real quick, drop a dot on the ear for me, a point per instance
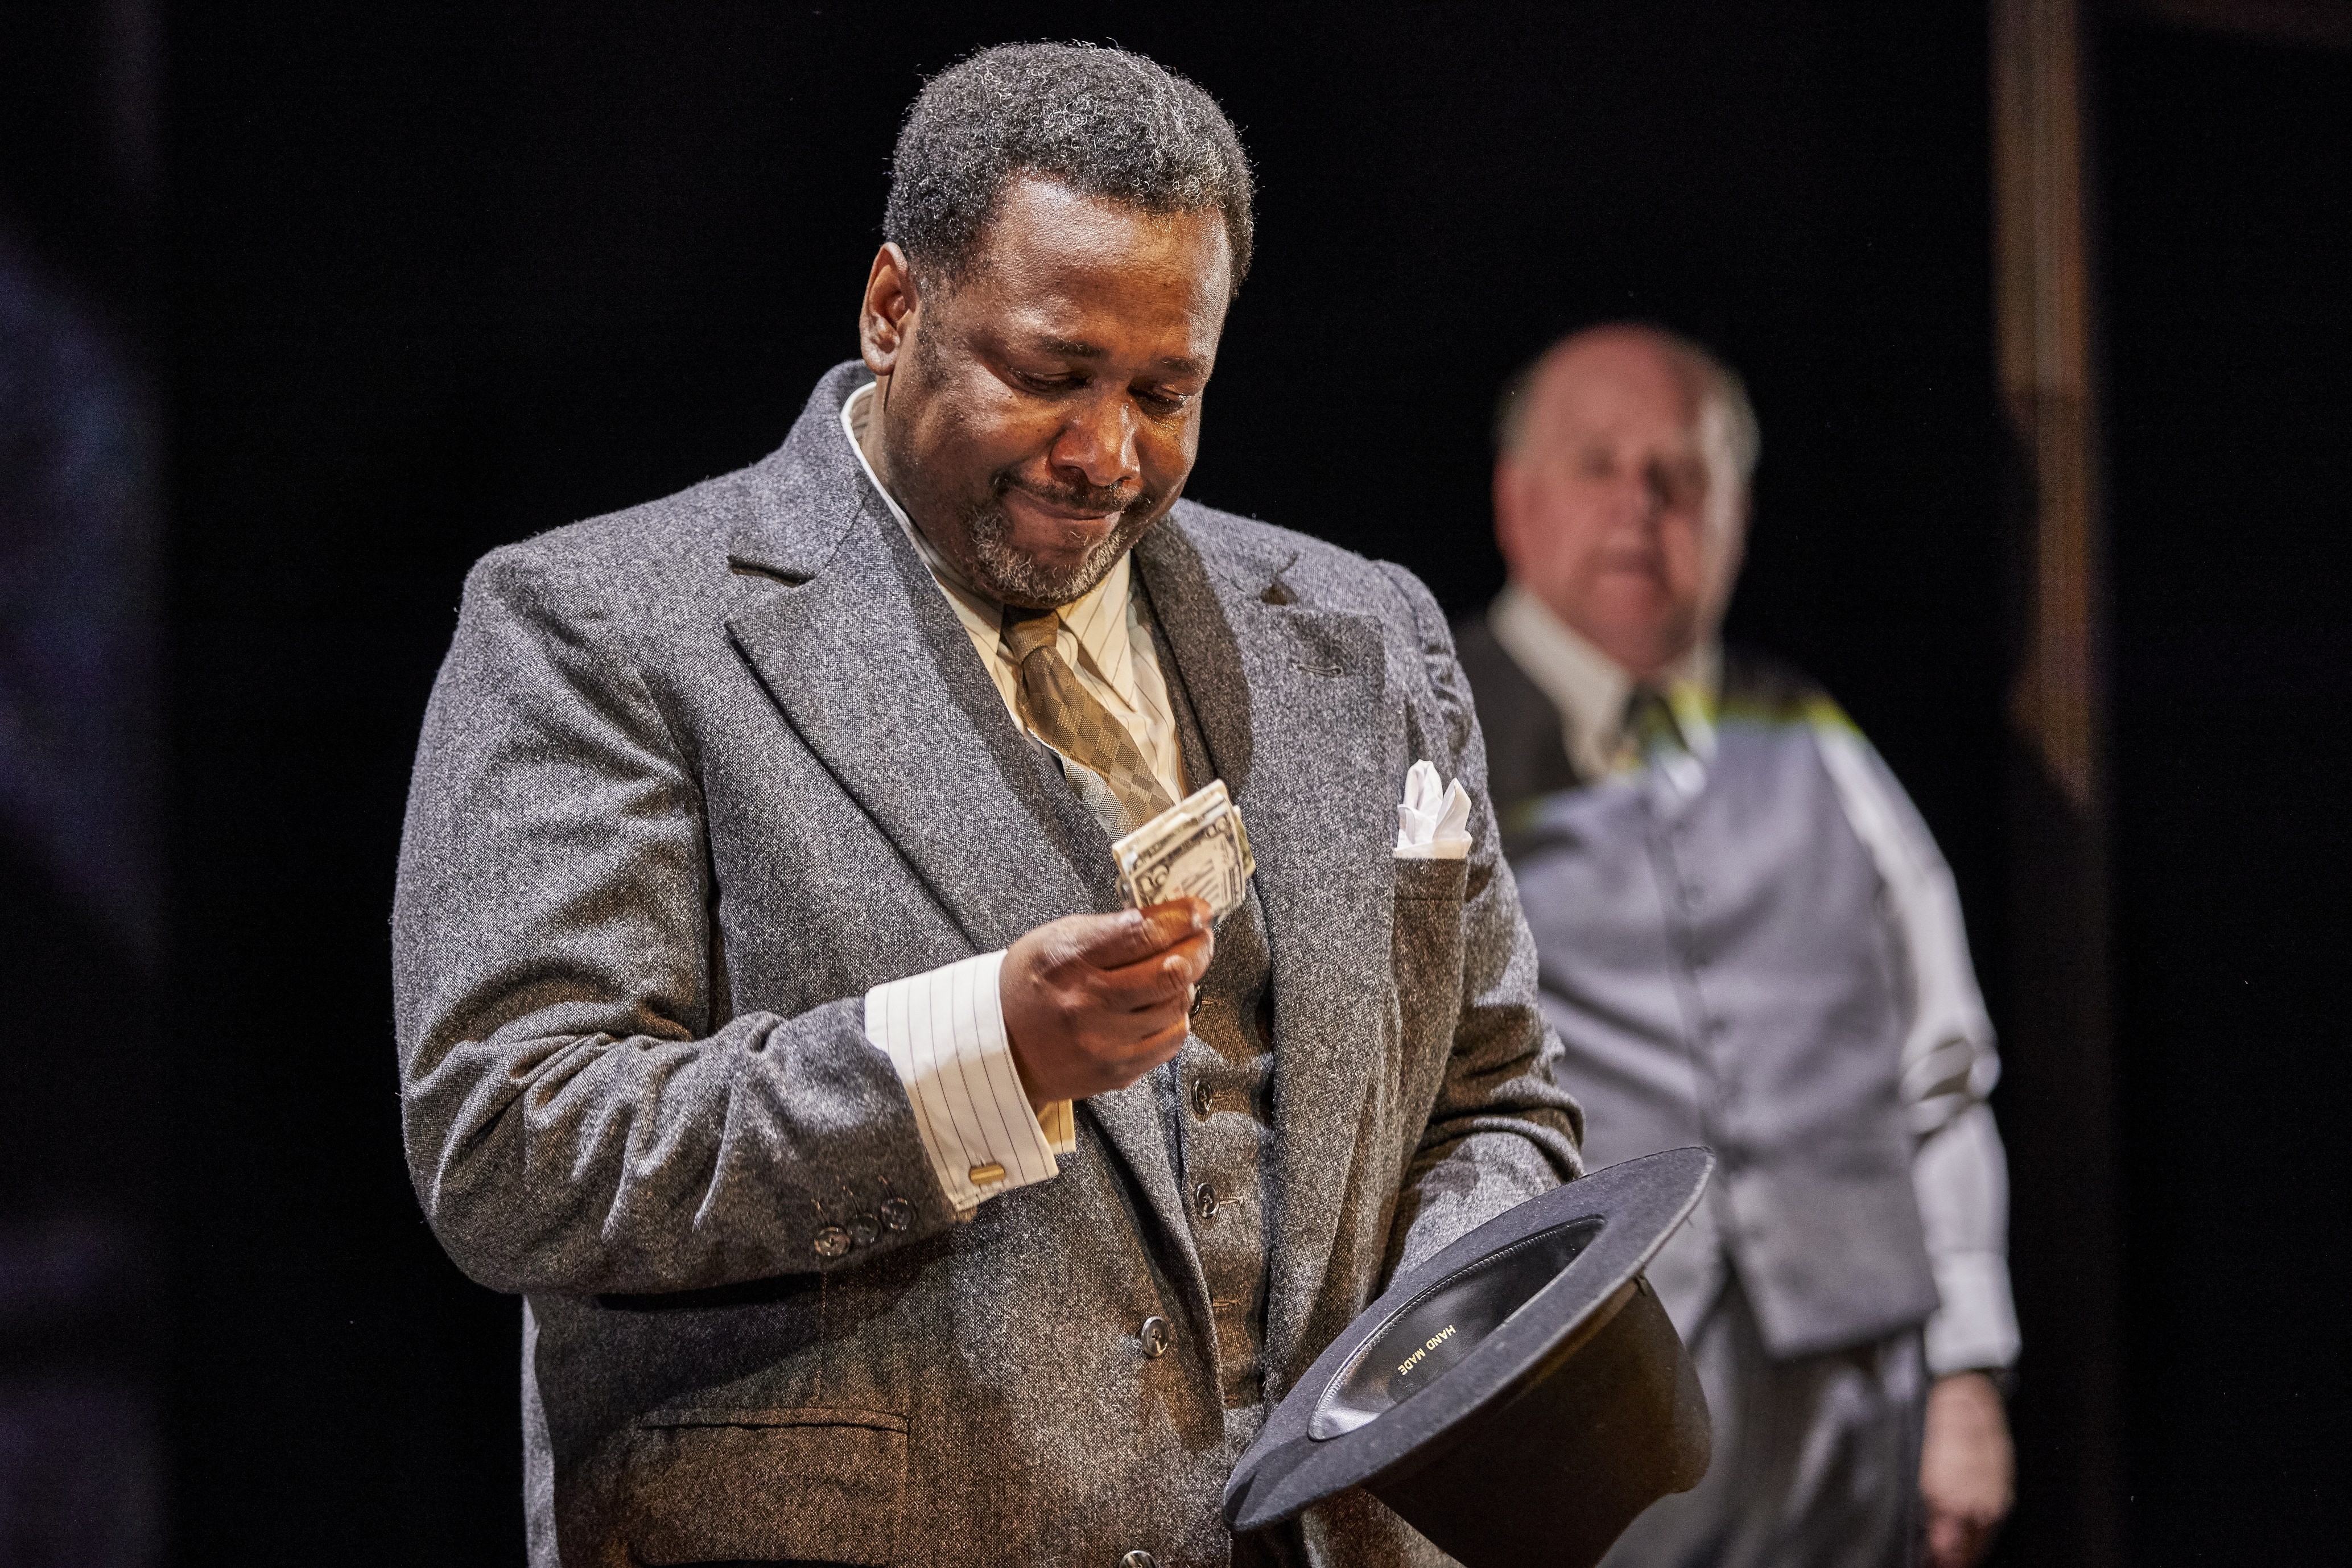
(1509, 486)
(1727, 547)
(885, 318)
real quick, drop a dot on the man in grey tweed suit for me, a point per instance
(878, 1190)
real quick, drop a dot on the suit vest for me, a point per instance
(1719, 969)
(1216, 1095)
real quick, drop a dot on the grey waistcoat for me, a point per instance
(1719, 970)
(1218, 1096)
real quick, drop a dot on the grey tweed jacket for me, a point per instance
(696, 775)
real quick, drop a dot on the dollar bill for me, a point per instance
(1198, 847)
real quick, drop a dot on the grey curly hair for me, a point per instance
(1100, 120)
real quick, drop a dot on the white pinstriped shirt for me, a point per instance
(944, 1030)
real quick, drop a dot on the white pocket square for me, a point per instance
(1433, 818)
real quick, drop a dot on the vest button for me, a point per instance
(1153, 1335)
(1204, 1098)
(833, 1242)
(1139, 1560)
(1204, 1200)
(864, 1230)
(898, 1214)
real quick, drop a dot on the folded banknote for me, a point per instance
(1198, 847)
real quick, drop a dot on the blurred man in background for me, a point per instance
(1749, 939)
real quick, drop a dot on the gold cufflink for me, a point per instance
(981, 1176)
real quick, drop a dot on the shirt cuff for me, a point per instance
(1976, 1328)
(944, 1031)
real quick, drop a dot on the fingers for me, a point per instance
(1114, 942)
(1094, 1002)
(1122, 1067)
(1956, 1538)
(1164, 979)
(1953, 1543)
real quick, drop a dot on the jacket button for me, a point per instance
(1204, 1099)
(1154, 1336)
(864, 1230)
(832, 1242)
(1139, 1560)
(1204, 1200)
(898, 1214)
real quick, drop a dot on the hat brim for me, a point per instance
(1462, 1333)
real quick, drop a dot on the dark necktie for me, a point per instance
(1067, 717)
(1648, 729)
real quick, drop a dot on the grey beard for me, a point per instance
(1005, 573)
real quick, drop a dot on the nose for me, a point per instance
(1644, 493)
(1095, 445)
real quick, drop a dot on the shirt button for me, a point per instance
(833, 1242)
(1204, 1098)
(1204, 1200)
(1154, 1337)
(1139, 1560)
(864, 1230)
(898, 1214)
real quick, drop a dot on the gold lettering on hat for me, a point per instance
(1427, 1345)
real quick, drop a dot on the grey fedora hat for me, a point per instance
(1518, 1397)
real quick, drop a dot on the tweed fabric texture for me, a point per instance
(1218, 1097)
(1069, 719)
(696, 776)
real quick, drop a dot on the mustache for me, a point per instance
(1099, 499)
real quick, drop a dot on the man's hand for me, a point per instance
(1968, 1470)
(1094, 1002)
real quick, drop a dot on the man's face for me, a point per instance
(1621, 510)
(1045, 410)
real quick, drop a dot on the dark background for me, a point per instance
(410, 282)
(2229, 311)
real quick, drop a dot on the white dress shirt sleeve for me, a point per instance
(944, 1031)
(1958, 1170)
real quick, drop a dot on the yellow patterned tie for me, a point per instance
(1067, 717)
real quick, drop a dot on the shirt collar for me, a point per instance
(1097, 618)
(1589, 688)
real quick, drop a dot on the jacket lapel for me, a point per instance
(862, 653)
(877, 677)
(1289, 703)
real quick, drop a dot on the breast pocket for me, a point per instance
(1426, 955)
(809, 1485)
